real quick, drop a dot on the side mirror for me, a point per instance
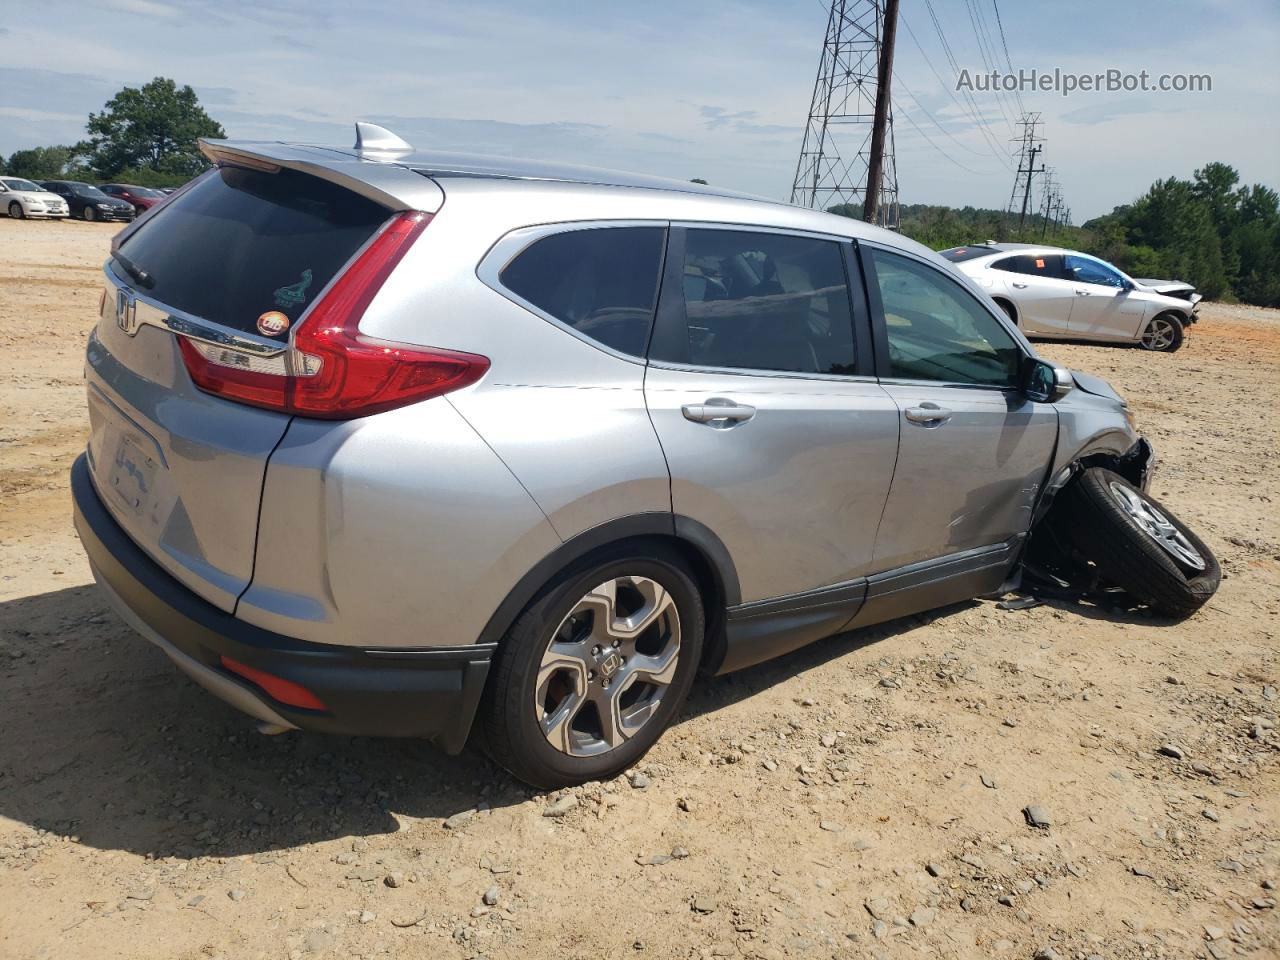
(1045, 383)
(3, 188)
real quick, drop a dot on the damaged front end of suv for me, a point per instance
(1096, 531)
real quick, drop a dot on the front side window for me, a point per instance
(1085, 270)
(603, 282)
(766, 301)
(938, 331)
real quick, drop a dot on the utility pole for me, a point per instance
(875, 163)
(847, 112)
(1029, 149)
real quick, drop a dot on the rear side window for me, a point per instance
(767, 301)
(1049, 265)
(601, 281)
(240, 244)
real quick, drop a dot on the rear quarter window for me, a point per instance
(601, 281)
(242, 243)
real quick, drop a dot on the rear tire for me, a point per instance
(1009, 312)
(570, 697)
(1138, 544)
(1164, 334)
(16, 212)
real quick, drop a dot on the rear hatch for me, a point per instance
(229, 266)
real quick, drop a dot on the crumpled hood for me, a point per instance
(1164, 286)
(1095, 385)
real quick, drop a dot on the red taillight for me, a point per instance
(277, 688)
(332, 371)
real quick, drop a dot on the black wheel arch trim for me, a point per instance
(671, 526)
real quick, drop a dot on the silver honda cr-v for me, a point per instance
(392, 443)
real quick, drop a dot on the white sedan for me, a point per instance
(1065, 294)
(21, 198)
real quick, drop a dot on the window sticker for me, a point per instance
(295, 293)
(1039, 263)
(272, 323)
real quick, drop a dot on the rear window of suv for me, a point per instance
(242, 243)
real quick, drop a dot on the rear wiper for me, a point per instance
(140, 276)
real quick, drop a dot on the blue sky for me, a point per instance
(714, 89)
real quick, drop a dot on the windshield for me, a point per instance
(143, 192)
(84, 190)
(17, 183)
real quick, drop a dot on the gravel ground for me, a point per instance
(865, 797)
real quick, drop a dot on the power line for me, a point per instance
(983, 126)
(1007, 59)
(986, 61)
(994, 147)
(929, 140)
(925, 111)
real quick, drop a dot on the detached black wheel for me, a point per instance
(1138, 544)
(594, 670)
(15, 211)
(1164, 334)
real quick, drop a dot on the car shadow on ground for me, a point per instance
(105, 741)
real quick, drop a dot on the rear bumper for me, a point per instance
(430, 693)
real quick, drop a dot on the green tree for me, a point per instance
(45, 163)
(153, 127)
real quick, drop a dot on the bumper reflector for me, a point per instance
(277, 688)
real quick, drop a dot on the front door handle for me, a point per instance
(718, 412)
(1083, 293)
(1020, 286)
(928, 414)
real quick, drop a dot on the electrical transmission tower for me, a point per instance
(1049, 198)
(1029, 149)
(849, 137)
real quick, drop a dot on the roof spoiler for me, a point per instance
(386, 183)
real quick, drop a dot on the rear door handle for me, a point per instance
(1083, 293)
(718, 412)
(928, 414)
(1020, 286)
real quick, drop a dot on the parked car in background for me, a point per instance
(88, 202)
(142, 198)
(1052, 292)
(385, 443)
(20, 198)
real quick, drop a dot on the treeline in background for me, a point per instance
(1210, 231)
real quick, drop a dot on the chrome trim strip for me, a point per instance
(153, 313)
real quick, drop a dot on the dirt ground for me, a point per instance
(860, 798)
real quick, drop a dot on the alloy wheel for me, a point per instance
(90, 213)
(608, 666)
(1157, 526)
(15, 210)
(1159, 335)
